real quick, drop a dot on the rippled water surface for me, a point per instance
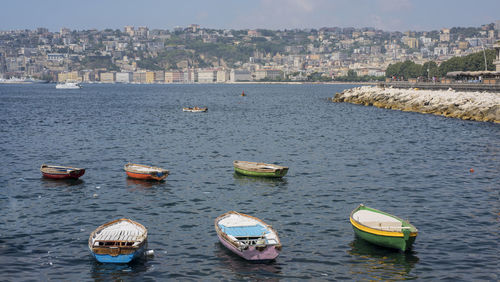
(340, 155)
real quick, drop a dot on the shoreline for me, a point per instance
(214, 83)
(477, 106)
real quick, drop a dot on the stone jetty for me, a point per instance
(478, 106)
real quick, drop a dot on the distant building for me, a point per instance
(463, 45)
(129, 30)
(142, 32)
(207, 76)
(491, 34)
(410, 42)
(150, 77)
(191, 76)
(55, 57)
(194, 27)
(174, 77)
(444, 36)
(272, 74)
(88, 75)
(65, 31)
(474, 42)
(159, 76)
(240, 75)
(107, 77)
(123, 77)
(139, 77)
(442, 50)
(223, 76)
(253, 33)
(68, 76)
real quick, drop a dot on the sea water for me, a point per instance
(412, 165)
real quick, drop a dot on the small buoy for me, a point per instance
(471, 170)
(95, 195)
(150, 253)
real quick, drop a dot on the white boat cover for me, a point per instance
(121, 231)
(377, 220)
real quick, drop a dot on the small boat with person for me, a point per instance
(383, 229)
(195, 109)
(248, 236)
(61, 172)
(118, 241)
(145, 172)
(259, 169)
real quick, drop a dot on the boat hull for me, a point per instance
(270, 252)
(277, 173)
(121, 258)
(145, 176)
(75, 174)
(399, 243)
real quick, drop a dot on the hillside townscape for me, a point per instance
(196, 54)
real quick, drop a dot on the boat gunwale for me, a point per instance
(224, 236)
(242, 165)
(380, 232)
(46, 166)
(126, 167)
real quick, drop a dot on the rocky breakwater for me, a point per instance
(479, 106)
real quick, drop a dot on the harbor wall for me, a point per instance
(478, 106)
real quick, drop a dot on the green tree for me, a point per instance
(472, 62)
(430, 69)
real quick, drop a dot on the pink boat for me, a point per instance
(247, 236)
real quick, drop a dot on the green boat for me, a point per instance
(259, 169)
(383, 229)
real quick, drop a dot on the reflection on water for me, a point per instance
(246, 269)
(51, 183)
(271, 181)
(118, 272)
(378, 263)
(144, 183)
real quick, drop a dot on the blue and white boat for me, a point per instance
(118, 241)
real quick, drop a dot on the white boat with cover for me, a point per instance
(247, 236)
(118, 241)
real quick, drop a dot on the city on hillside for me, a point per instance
(194, 54)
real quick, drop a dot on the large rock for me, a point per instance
(465, 105)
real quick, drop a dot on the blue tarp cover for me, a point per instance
(245, 231)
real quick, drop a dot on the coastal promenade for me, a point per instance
(467, 105)
(444, 86)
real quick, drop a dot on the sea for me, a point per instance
(441, 174)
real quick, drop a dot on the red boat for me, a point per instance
(61, 172)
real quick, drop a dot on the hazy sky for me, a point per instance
(399, 15)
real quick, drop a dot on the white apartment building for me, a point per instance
(240, 75)
(223, 76)
(207, 76)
